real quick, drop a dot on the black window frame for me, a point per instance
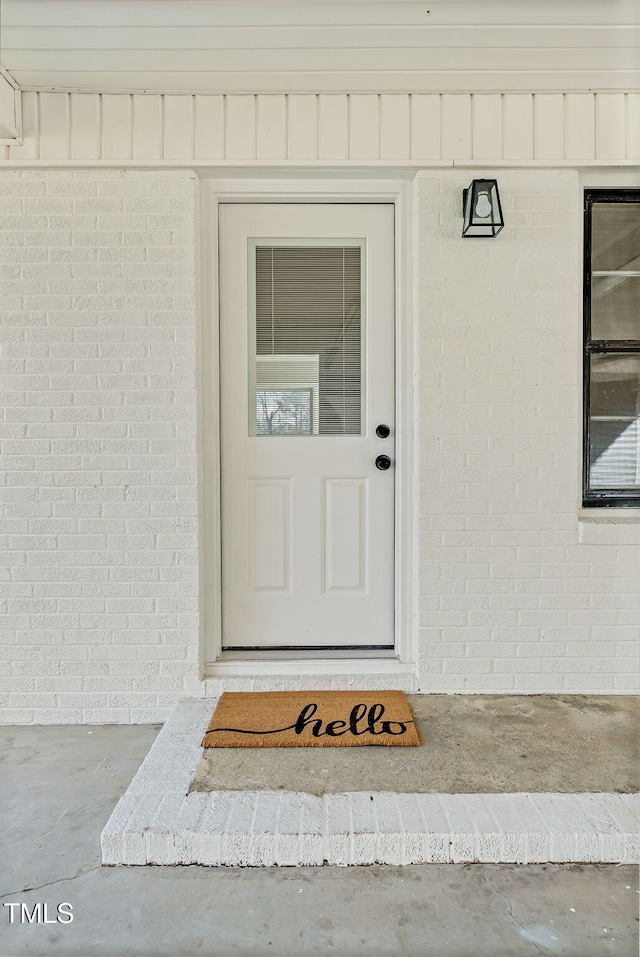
(602, 497)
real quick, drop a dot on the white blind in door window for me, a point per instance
(308, 371)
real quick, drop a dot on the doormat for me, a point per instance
(299, 719)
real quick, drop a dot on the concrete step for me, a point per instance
(159, 821)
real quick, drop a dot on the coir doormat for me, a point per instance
(294, 719)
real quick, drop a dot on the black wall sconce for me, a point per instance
(482, 209)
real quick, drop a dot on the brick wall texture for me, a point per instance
(99, 534)
(515, 594)
(98, 483)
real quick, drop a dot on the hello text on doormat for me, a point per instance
(293, 719)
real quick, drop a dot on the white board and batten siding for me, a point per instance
(358, 128)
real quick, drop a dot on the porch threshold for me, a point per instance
(315, 662)
(160, 820)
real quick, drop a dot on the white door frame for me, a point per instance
(278, 188)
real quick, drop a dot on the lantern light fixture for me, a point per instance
(482, 210)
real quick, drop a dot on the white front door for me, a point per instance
(307, 377)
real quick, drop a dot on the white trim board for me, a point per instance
(10, 110)
(158, 822)
(213, 192)
(207, 168)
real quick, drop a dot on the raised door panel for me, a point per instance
(344, 521)
(269, 540)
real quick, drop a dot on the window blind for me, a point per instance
(309, 316)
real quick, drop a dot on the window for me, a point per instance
(612, 348)
(308, 363)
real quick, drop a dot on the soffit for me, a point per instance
(235, 46)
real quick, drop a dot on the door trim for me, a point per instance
(395, 189)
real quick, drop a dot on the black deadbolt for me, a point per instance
(383, 431)
(383, 462)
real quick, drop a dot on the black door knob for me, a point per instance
(383, 431)
(383, 462)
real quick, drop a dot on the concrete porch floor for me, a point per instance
(469, 744)
(60, 785)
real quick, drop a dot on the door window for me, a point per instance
(307, 368)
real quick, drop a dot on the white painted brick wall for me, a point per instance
(98, 578)
(515, 594)
(99, 532)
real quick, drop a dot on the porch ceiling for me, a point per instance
(322, 45)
